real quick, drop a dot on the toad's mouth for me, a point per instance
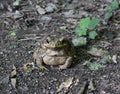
(54, 46)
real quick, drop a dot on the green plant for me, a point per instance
(12, 32)
(86, 28)
(78, 41)
(110, 8)
(93, 65)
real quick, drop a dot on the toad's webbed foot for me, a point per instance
(39, 64)
(42, 68)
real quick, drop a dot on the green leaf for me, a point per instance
(92, 34)
(13, 32)
(105, 59)
(109, 34)
(108, 15)
(84, 22)
(115, 5)
(80, 32)
(93, 23)
(86, 63)
(108, 8)
(95, 66)
(79, 41)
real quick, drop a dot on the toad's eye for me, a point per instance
(63, 41)
(47, 41)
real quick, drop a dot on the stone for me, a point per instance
(40, 10)
(50, 7)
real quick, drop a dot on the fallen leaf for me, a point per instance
(66, 84)
(76, 82)
(13, 77)
(13, 82)
(91, 85)
(114, 58)
(13, 73)
(97, 52)
(16, 3)
(105, 59)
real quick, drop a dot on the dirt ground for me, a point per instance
(21, 31)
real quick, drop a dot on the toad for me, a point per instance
(54, 51)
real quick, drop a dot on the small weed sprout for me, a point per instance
(110, 8)
(86, 28)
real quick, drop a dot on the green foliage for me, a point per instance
(108, 15)
(12, 32)
(80, 32)
(92, 34)
(110, 8)
(87, 25)
(85, 29)
(85, 22)
(79, 41)
(93, 23)
(94, 65)
(109, 34)
(115, 5)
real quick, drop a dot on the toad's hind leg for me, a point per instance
(67, 63)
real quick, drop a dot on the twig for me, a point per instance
(29, 39)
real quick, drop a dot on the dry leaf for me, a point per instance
(114, 58)
(13, 73)
(13, 82)
(16, 3)
(97, 52)
(13, 76)
(91, 85)
(66, 84)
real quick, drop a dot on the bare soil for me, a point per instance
(31, 28)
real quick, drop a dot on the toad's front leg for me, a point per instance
(39, 63)
(66, 64)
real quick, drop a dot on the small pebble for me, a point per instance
(50, 7)
(40, 10)
(46, 18)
